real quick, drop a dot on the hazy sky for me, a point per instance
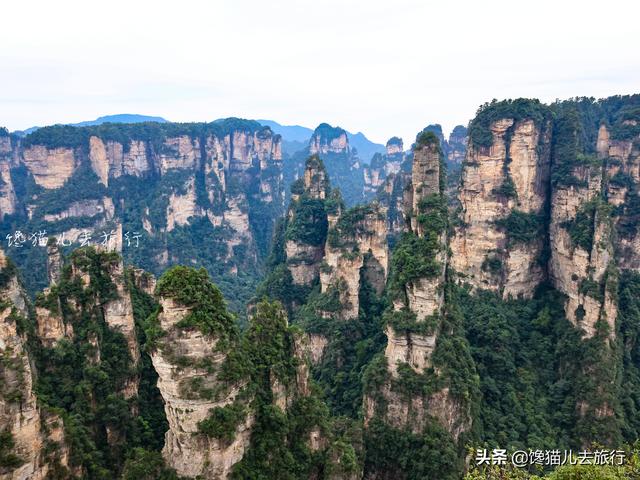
(382, 67)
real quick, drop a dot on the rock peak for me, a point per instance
(316, 179)
(394, 146)
(327, 139)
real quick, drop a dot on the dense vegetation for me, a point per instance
(73, 137)
(525, 376)
(518, 109)
(141, 206)
(89, 393)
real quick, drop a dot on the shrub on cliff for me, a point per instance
(193, 288)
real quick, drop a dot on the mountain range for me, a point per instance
(185, 301)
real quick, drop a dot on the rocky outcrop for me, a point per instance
(204, 370)
(112, 159)
(327, 139)
(36, 439)
(187, 362)
(506, 179)
(50, 167)
(84, 208)
(413, 324)
(421, 296)
(182, 207)
(356, 250)
(426, 175)
(456, 149)
(8, 200)
(304, 251)
(580, 264)
(622, 164)
(118, 314)
(382, 166)
(303, 261)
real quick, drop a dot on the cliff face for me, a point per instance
(221, 394)
(573, 266)
(421, 296)
(27, 428)
(414, 324)
(327, 139)
(188, 363)
(8, 198)
(504, 183)
(382, 166)
(307, 223)
(170, 186)
(456, 146)
(50, 167)
(342, 163)
(622, 157)
(356, 250)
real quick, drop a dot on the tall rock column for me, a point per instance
(415, 322)
(583, 267)
(8, 200)
(500, 238)
(307, 223)
(417, 294)
(581, 232)
(357, 239)
(622, 158)
(194, 337)
(28, 431)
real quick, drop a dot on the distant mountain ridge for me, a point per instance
(118, 118)
(296, 137)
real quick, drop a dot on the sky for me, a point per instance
(381, 67)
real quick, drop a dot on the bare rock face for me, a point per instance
(99, 159)
(316, 180)
(182, 207)
(411, 348)
(357, 240)
(382, 166)
(315, 347)
(112, 159)
(179, 153)
(85, 208)
(31, 428)
(422, 296)
(327, 139)
(8, 198)
(303, 261)
(51, 168)
(118, 314)
(425, 179)
(623, 173)
(580, 270)
(511, 175)
(304, 255)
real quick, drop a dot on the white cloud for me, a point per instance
(385, 68)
